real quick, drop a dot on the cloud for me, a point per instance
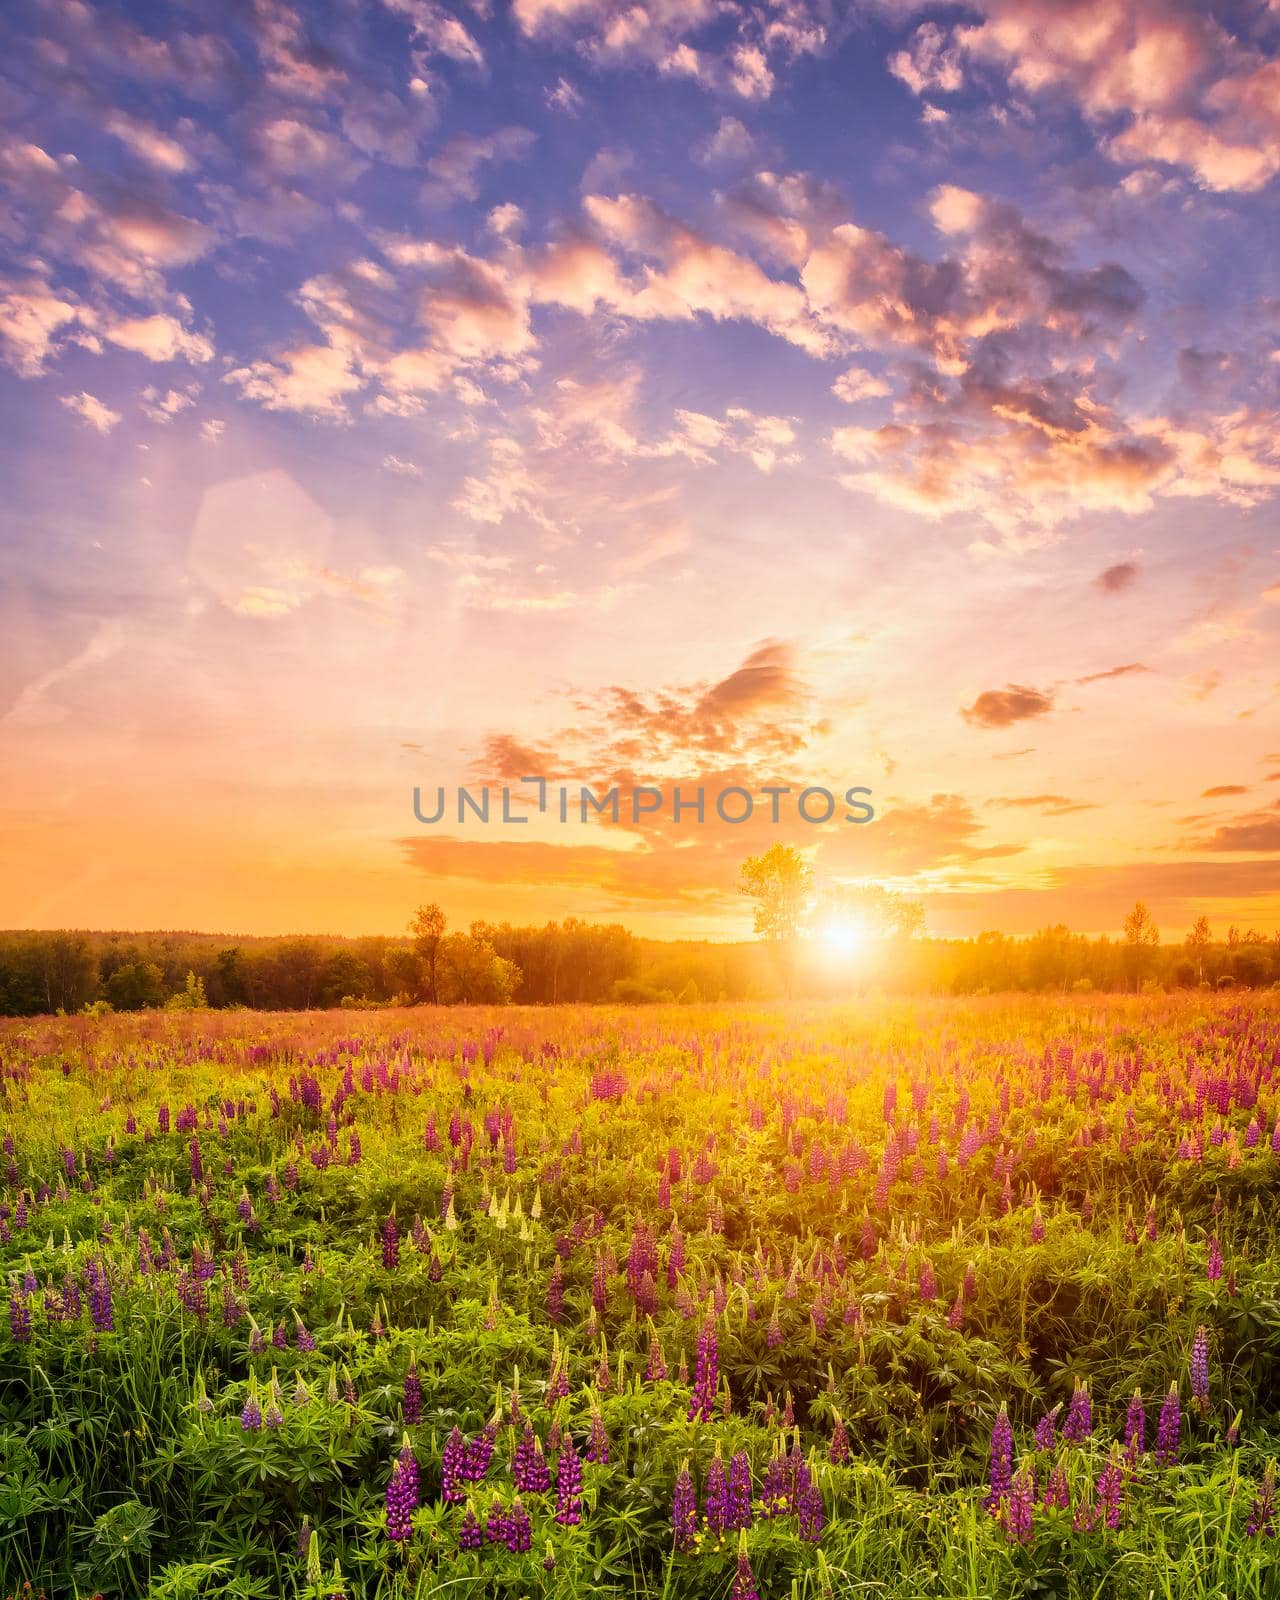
(34, 317)
(1259, 832)
(929, 63)
(856, 384)
(1116, 579)
(312, 378)
(455, 170)
(1000, 708)
(94, 412)
(163, 406)
(402, 469)
(1053, 805)
(159, 338)
(1129, 668)
(1223, 789)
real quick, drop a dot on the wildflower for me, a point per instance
(568, 1486)
(1262, 1515)
(1079, 1423)
(810, 1511)
(412, 1399)
(1110, 1489)
(1168, 1429)
(838, 1450)
(598, 1442)
(1020, 1513)
(1135, 1427)
(251, 1415)
(1200, 1369)
(1000, 1469)
(519, 1529)
(739, 1495)
(684, 1512)
(706, 1380)
(402, 1495)
(715, 1506)
(390, 1242)
(1057, 1494)
(529, 1465)
(453, 1466)
(1213, 1265)
(470, 1536)
(1045, 1428)
(744, 1582)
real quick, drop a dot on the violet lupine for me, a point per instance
(1200, 1369)
(1057, 1494)
(402, 1495)
(390, 1242)
(838, 1449)
(656, 1371)
(568, 1486)
(1079, 1423)
(739, 1498)
(1169, 1429)
(707, 1375)
(744, 1580)
(19, 1316)
(1020, 1511)
(1213, 1265)
(1135, 1427)
(479, 1453)
(251, 1415)
(1261, 1523)
(811, 1515)
(519, 1529)
(684, 1512)
(715, 1505)
(1110, 1489)
(529, 1465)
(470, 1534)
(1000, 1467)
(598, 1441)
(1045, 1428)
(453, 1466)
(412, 1398)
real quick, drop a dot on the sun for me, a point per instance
(843, 937)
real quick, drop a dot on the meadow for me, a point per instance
(905, 1298)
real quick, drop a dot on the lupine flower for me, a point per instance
(739, 1497)
(390, 1242)
(707, 1376)
(251, 1415)
(470, 1535)
(1200, 1369)
(1110, 1489)
(1079, 1423)
(1213, 1265)
(715, 1506)
(1045, 1434)
(744, 1582)
(1057, 1494)
(1135, 1427)
(1168, 1429)
(412, 1399)
(519, 1529)
(453, 1466)
(1020, 1512)
(1261, 1523)
(568, 1486)
(1000, 1468)
(598, 1441)
(402, 1495)
(529, 1465)
(811, 1514)
(684, 1512)
(838, 1449)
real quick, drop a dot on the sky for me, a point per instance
(801, 393)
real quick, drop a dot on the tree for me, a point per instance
(427, 928)
(1198, 941)
(135, 986)
(472, 973)
(779, 883)
(1141, 936)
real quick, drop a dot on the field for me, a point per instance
(894, 1299)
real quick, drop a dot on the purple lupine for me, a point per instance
(1261, 1523)
(305, 1341)
(1169, 1429)
(1045, 1428)
(1200, 1369)
(684, 1512)
(739, 1499)
(480, 1453)
(1000, 1467)
(390, 1242)
(811, 1515)
(529, 1465)
(744, 1581)
(1135, 1427)
(598, 1441)
(251, 1415)
(519, 1529)
(1110, 1489)
(412, 1398)
(1079, 1423)
(1020, 1512)
(1213, 1265)
(1057, 1494)
(707, 1375)
(470, 1534)
(715, 1505)
(656, 1371)
(838, 1449)
(402, 1495)
(19, 1316)
(453, 1466)
(568, 1486)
